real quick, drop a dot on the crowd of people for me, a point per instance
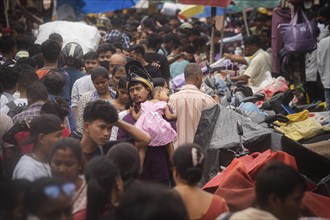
(102, 134)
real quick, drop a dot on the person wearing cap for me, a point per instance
(45, 131)
(189, 103)
(156, 164)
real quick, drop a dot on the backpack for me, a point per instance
(14, 109)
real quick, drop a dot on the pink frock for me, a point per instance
(152, 122)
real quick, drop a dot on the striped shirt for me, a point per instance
(188, 105)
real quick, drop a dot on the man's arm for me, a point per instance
(141, 138)
(238, 78)
(236, 58)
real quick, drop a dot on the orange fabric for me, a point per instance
(42, 72)
(217, 207)
(236, 184)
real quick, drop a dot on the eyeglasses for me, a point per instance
(54, 191)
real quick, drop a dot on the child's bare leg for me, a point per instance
(142, 154)
(170, 149)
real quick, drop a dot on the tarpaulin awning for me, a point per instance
(217, 3)
(98, 6)
(256, 3)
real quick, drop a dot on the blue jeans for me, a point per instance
(327, 98)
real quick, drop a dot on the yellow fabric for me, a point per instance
(301, 129)
(191, 10)
(300, 116)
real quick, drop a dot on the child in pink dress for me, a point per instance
(150, 120)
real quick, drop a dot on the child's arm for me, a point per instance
(168, 114)
(135, 115)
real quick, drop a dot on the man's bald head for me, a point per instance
(118, 59)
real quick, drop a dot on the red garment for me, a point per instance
(217, 207)
(80, 215)
(23, 135)
(236, 184)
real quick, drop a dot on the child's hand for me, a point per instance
(131, 110)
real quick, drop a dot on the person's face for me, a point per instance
(116, 77)
(174, 23)
(163, 95)
(99, 131)
(248, 50)
(291, 207)
(65, 164)
(105, 56)
(49, 140)
(101, 84)
(90, 64)
(134, 55)
(138, 93)
(57, 209)
(122, 95)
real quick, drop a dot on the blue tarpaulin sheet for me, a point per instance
(98, 6)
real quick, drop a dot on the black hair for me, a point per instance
(100, 109)
(117, 45)
(126, 157)
(252, 40)
(154, 41)
(137, 49)
(57, 106)
(279, 179)
(99, 71)
(149, 201)
(56, 37)
(91, 55)
(268, 32)
(105, 47)
(69, 143)
(122, 83)
(8, 77)
(27, 77)
(50, 50)
(149, 23)
(7, 43)
(101, 175)
(117, 22)
(28, 61)
(188, 161)
(170, 37)
(54, 81)
(34, 49)
(158, 81)
(24, 42)
(39, 60)
(37, 91)
(35, 195)
(12, 192)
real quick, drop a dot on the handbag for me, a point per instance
(299, 38)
